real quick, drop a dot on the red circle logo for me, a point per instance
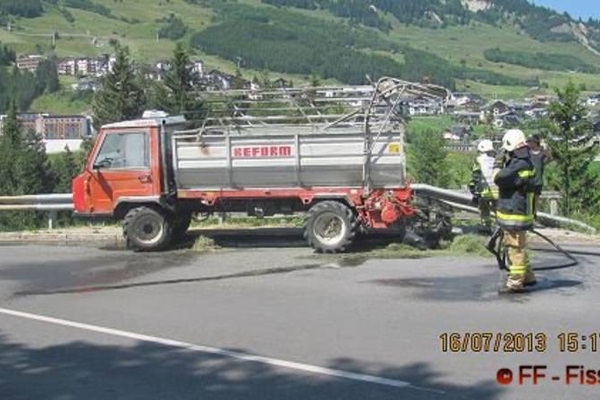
(504, 376)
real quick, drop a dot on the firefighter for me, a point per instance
(515, 207)
(540, 156)
(482, 186)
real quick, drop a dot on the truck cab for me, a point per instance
(126, 168)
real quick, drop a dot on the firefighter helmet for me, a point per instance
(513, 139)
(485, 145)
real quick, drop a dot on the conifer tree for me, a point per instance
(65, 169)
(33, 169)
(120, 97)
(177, 93)
(570, 137)
(11, 144)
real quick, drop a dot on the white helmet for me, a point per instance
(485, 145)
(513, 139)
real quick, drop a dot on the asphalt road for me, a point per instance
(271, 321)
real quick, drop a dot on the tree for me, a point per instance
(571, 140)
(10, 149)
(84, 150)
(46, 77)
(33, 170)
(176, 94)
(65, 168)
(238, 80)
(314, 81)
(427, 158)
(15, 171)
(120, 96)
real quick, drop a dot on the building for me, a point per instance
(217, 80)
(198, 68)
(67, 66)
(497, 108)
(85, 66)
(163, 66)
(57, 131)
(593, 100)
(421, 105)
(458, 133)
(29, 62)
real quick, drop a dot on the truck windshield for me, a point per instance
(124, 150)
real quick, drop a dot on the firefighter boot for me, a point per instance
(514, 284)
(529, 279)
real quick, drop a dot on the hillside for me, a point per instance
(503, 48)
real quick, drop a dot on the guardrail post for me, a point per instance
(51, 219)
(222, 217)
(553, 206)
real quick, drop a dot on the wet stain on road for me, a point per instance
(114, 267)
(107, 279)
(475, 288)
(245, 274)
(456, 288)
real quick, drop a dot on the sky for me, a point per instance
(577, 8)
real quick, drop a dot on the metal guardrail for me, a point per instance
(464, 200)
(53, 198)
(52, 203)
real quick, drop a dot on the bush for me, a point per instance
(173, 29)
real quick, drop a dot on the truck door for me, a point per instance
(122, 168)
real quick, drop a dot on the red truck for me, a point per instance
(344, 170)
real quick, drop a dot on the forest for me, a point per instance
(288, 42)
(22, 8)
(538, 22)
(545, 61)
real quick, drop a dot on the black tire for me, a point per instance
(320, 217)
(398, 229)
(146, 229)
(181, 224)
(433, 221)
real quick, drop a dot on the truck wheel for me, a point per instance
(330, 227)
(146, 229)
(181, 224)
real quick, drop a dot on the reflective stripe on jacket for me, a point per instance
(516, 191)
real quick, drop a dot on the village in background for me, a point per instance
(467, 110)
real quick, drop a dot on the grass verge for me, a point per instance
(461, 246)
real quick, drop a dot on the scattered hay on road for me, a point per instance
(204, 244)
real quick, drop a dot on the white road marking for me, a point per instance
(313, 369)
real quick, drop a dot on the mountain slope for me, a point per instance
(487, 46)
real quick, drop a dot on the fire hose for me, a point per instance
(496, 246)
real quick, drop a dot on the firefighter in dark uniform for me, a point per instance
(540, 156)
(514, 214)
